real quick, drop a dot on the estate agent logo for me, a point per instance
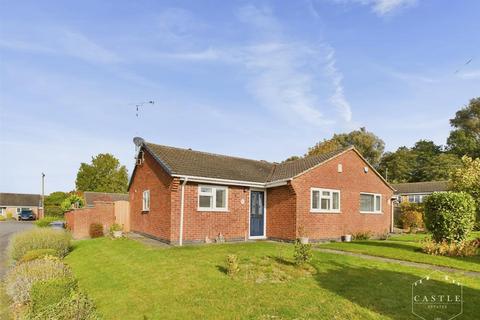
(437, 297)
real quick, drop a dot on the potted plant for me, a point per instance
(116, 230)
(301, 235)
(346, 236)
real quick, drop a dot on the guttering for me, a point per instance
(232, 182)
(182, 206)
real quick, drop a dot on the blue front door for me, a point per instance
(257, 213)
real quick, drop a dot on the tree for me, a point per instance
(465, 139)
(53, 203)
(367, 143)
(467, 179)
(104, 174)
(291, 158)
(397, 166)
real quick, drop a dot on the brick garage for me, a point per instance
(165, 171)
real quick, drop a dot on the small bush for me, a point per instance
(96, 230)
(73, 201)
(362, 235)
(37, 254)
(20, 279)
(412, 216)
(450, 216)
(9, 215)
(45, 222)
(43, 238)
(50, 292)
(74, 306)
(302, 253)
(456, 249)
(232, 265)
(115, 227)
(2, 218)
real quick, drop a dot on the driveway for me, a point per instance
(7, 229)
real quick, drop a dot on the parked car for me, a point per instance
(26, 215)
(57, 225)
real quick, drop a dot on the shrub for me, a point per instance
(50, 292)
(444, 248)
(43, 238)
(2, 218)
(232, 265)
(9, 215)
(73, 200)
(74, 306)
(302, 253)
(45, 222)
(20, 279)
(115, 227)
(412, 216)
(37, 254)
(96, 230)
(449, 216)
(362, 235)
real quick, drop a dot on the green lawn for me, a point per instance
(406, 247)
(129, 280)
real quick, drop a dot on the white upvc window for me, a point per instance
(324, 200)
(146, 200)
(212, 198)
(370, 203)
(415, 198)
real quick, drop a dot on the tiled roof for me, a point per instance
(91, 196)
(420, 187)
(20, 200)
(202, 164)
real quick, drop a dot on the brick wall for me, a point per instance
(351, 182)
(79, 220)
(233, 224)
(157, 221)
(281, 206)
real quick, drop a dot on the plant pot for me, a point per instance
(117, 234)
(347, 238)
(303, 240)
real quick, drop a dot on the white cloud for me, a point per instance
(63, 42)
(382, 7)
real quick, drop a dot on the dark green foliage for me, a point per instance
(104, 174)
(72, 201)
(96, 230)
(53, 204)
(38, 254)
(449, 216)
(465, 139)
(302, 253)
(50, 292)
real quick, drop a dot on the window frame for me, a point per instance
(375, 195)
(146, 208)
(213, 194)
(319, 209)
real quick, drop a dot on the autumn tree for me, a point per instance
(367, 143)
(103, 174)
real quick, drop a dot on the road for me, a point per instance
(7, 229)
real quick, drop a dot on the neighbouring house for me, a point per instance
(91, 197)
(100, 207)
(415, 192)
(186, 196)
(15, 203)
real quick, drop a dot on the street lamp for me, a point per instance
(43, 195)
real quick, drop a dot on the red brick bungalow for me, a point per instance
(185, 196)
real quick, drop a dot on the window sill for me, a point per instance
(325, 212)
(145, 211)
(212, 210)
(370, 212)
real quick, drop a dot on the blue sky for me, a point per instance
(259, 79)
